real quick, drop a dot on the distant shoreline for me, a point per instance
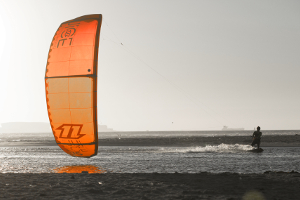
(156, 131)
(179, 141)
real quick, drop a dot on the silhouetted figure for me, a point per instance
(256, 137)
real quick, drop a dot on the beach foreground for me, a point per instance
(229, 186)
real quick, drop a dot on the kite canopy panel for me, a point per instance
(71, 85)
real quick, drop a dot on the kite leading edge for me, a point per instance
(71, 85)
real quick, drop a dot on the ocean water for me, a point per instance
(216, 159)
(139, 159)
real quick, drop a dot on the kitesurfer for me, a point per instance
(256, 137)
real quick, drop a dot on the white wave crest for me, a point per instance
(222, 148)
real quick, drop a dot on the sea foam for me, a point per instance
(222, 148)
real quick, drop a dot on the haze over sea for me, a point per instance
(36, 153)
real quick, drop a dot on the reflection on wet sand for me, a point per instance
(79, 169)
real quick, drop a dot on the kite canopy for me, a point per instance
(71, 85)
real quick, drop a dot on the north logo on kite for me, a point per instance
(70, 131)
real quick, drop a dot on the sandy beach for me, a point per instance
(228, 186)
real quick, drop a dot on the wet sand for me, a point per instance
(181, 141)
(229, 186)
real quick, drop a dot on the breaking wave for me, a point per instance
(222, 148)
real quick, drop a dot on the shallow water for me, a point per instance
(216, 159)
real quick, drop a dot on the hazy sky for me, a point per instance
(183, 65)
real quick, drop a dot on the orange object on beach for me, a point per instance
(80, 169)
(71, 85)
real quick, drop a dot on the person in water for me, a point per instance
(256, 137)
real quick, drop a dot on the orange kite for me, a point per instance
(71, 85)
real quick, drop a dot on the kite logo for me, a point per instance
(63, 42)
(70, 131)
(69, 31)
